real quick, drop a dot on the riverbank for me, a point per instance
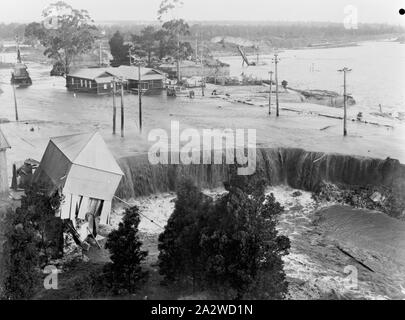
(337, 252)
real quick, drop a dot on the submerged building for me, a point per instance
(100, 80)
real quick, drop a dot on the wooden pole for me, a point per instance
(276, 74)
(345, 71)
(345, 105)
(114, 107)
(203, 72)
(101, 56)
(140, 97)
(271, 88)
(15, 103)
(178, 58)
(122, 109)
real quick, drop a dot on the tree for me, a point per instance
(33, 237)
(146, 44)
(33, 32)
(230, 246)
(119, 50)
(66, 33)
(241, 246)
(167, 6)
(125, 271)
(284, 84)
(179, 243)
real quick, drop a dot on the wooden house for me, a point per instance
(100, 80)
(90, 80)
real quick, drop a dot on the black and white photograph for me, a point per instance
(205, 150)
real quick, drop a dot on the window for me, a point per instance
(105, 87)
(81, 82)
(90, 84)
(73, 81)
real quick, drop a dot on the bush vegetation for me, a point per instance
(229, 246)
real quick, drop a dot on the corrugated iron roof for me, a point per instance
(87, 150)
(132, 73)
(125, 72)
(90, 73)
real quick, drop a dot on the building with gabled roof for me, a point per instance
(83, 169)
(99, 80)
(4, 145)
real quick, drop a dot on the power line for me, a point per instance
(130, 206)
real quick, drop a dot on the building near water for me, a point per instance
(100, 80)
(212, 69)
(4, 145)
(82, 168)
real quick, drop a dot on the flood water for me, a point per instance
(377, 76)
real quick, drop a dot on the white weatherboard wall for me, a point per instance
(83, 167)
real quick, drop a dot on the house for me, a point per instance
(90, 80)
(152, 80)
(100, 80)
(4, 145)
(82, 168)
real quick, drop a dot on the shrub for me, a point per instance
(230, 246)
(125, 271)
(179, 243)
(32, 236)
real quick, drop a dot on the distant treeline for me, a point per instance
(281, 34)
(11, 30)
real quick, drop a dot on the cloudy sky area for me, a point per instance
(379, 11)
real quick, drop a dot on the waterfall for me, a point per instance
(297, 168)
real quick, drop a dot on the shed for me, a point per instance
(86, 173)
(4, 145)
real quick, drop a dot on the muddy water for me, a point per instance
(318, 268)
(377, 76)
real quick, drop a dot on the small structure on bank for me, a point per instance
(82, 168)
(4, 145)
(212, 68)
(100, 80)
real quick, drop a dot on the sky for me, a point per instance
(370, 11)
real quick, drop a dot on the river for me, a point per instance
(377, 75)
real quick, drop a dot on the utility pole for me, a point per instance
(15, 103)
(178, 58)
(345, 70)
(122, 109)
(100, 56)
(203, 72)
(114, 107)
(140, 97)
(129, 55)
(271, 88)
(276, 61)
